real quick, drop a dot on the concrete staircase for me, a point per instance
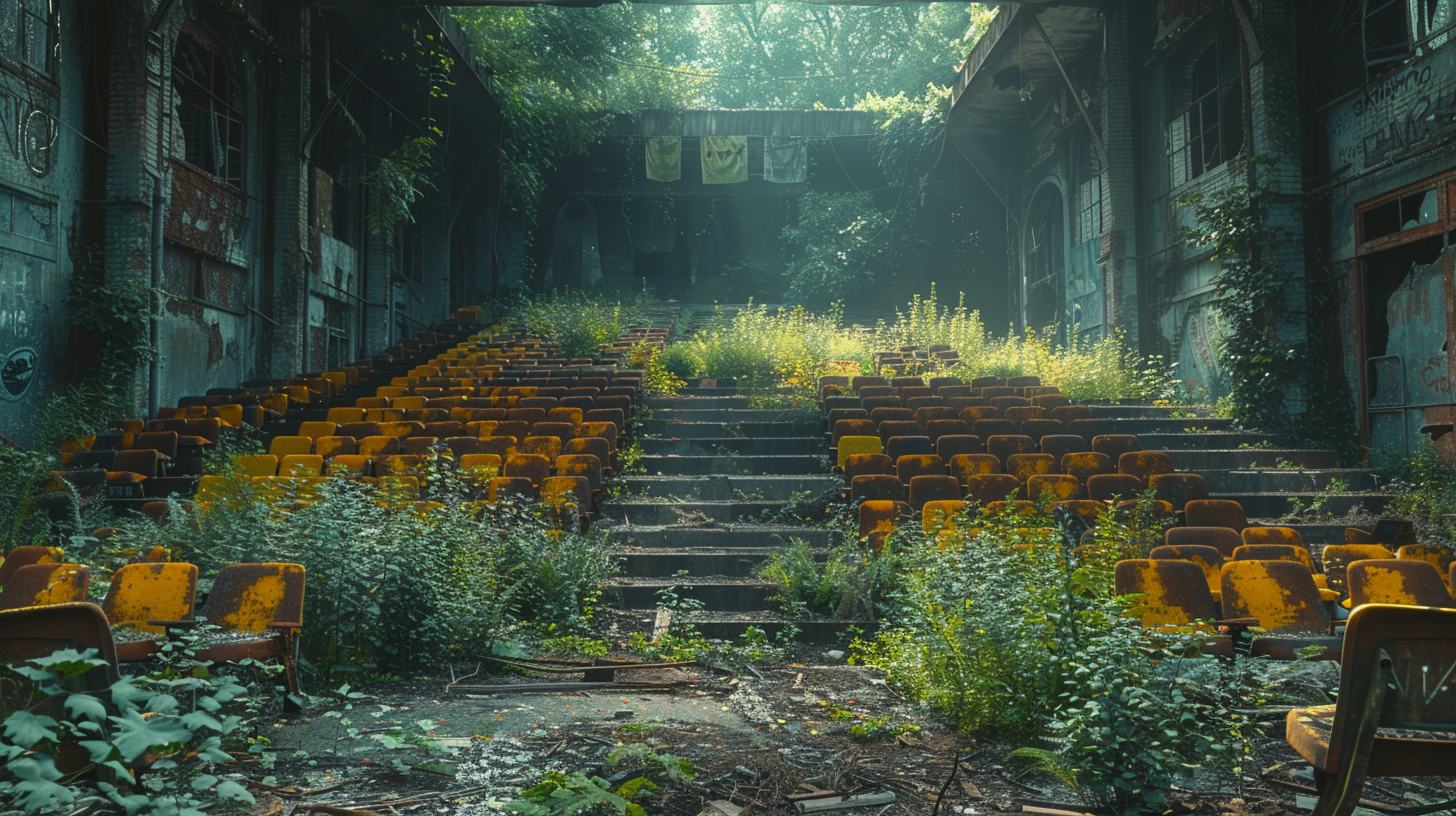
(713, 506)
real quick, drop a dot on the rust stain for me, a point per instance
(143, 592)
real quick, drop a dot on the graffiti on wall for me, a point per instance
(1198, 354)
(1416, 314)
(1406, 111)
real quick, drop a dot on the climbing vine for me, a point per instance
(1249, 294)
(1253, 296)
(401, 177)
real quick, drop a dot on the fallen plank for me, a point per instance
(843, 802)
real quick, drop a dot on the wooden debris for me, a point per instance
(843, 802)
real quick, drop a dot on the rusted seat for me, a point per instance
(938, 515)
(1389, 720)
(1215, 513)
(1060, 486)
(1144, 464)
(937, 428)
(1208, 559)
(987, 428)
(140, 593)
(965, 465)
(1391, 533)
(584, 465)
(331, 446)
(264, 600)
(889, 430)
(879, 518)
(1283, 598)
(44, 585)
(26, 555)
(1021, 413)
(933, 487)
(592, 446)
(505, 487)
(349, 466)
(1004, 446)
(1178, 489)
(950, 446)
(976, 413)
(1336, 558)
(547, 446)
(1393, 581)
(1059, 445)
(1068, 413)
(867, 464)
(851, 445)
(569, 497)
(1039, 429)
(876, 488)
(911, 465)
(1437, 557)
(1115, 445)
(987, 488)
(1110, 486)
(1173, 592)
(1288, 536)
(1026, 465)
(899, 446)
(513, 428)
(1222, 539)
(1082, 464)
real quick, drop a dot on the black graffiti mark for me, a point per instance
(1392, 87)
(1427, 118)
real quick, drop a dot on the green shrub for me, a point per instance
(1010, 633)
(1424, 488)
(392, 583)
(582, 320)
(849, 584)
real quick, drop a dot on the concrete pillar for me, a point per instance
(377, 282)
(286, 344)
(1120, 288)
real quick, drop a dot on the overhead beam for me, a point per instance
(377, 4)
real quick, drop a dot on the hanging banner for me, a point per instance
(725, 159)
(785, 159)
(664, 158)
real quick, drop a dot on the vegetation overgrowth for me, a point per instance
(1013, 631)
(581, 321)
(792, 348)
(394, 582)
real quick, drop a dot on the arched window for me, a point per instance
(1044, 259)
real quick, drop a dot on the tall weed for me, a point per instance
(580, 321)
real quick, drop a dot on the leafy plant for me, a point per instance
(171, 723)
(850, 584)
(398, 180)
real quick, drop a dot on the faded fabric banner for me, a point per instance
(725, 159)
(785, 159)
(664, 158)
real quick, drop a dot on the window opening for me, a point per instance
(1396, 30)
(1409, 211)
(208, 110)
(27, 32)
(1044, 260)
(1090, 198)
(1210, 130)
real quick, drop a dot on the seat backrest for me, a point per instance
(282, 446)
(949, 446)
(316, 429)
(1178, 489)
(301, 465)
(876, 487)
(938, 515)
(143, 592)
(986, 428)
(973, 413)
(527, 466)
(547, 446)
(924, 416)
(1107, 486)
(163, 442)
(250, 597)
(567, 491)
(1222, 539)
(24, 556)
(1287, 536)
(348, 466)
(1143, 464)
(44, 585)
(1208, 559)
(851, 445)
(1281, 595)
(965, 465)
(585, 465)
(888, 430)
(1215, 513)
(1174, 592)
(987, 488)
(933, 487)
(1026, 465)
(145, 462)
(867, 464)
(1022, 413)
(1067, 413)
(378, 446)
(1387, 652)
(331, 446)
(1336, 559)
(39, 631)
(879, 415)
(1004, 446)
(1392, 581)
(1039, 429)
(258, 464)
(1082, 464)
(909, 466)
(1061, 487)
(898, 446)
(936, 428)
(878, 518)
(1059, 445)
(1115, 445)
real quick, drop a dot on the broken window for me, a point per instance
(1409, 211)
(208, 110)
(1396, 30)
(1044, 259)
(27, 32)
(1091, 193)
(1210, 130)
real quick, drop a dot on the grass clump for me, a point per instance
(851, 583)
(581, 321)
(763, 348)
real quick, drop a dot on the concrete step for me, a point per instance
(1275, 505)
(1278, 481)
(1150, 425)
(731, 626)
(665, 404)
(733, 537)
(733, 415)
(652, 513)
(734, 465)
(1199, 461)
(729, 488)
(716, 391)
(725, 430)
(750, 446)
(1142, 411)
(1218, 440)
(715, 594)
(656, 562)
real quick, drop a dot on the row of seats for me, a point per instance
(143, 600)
